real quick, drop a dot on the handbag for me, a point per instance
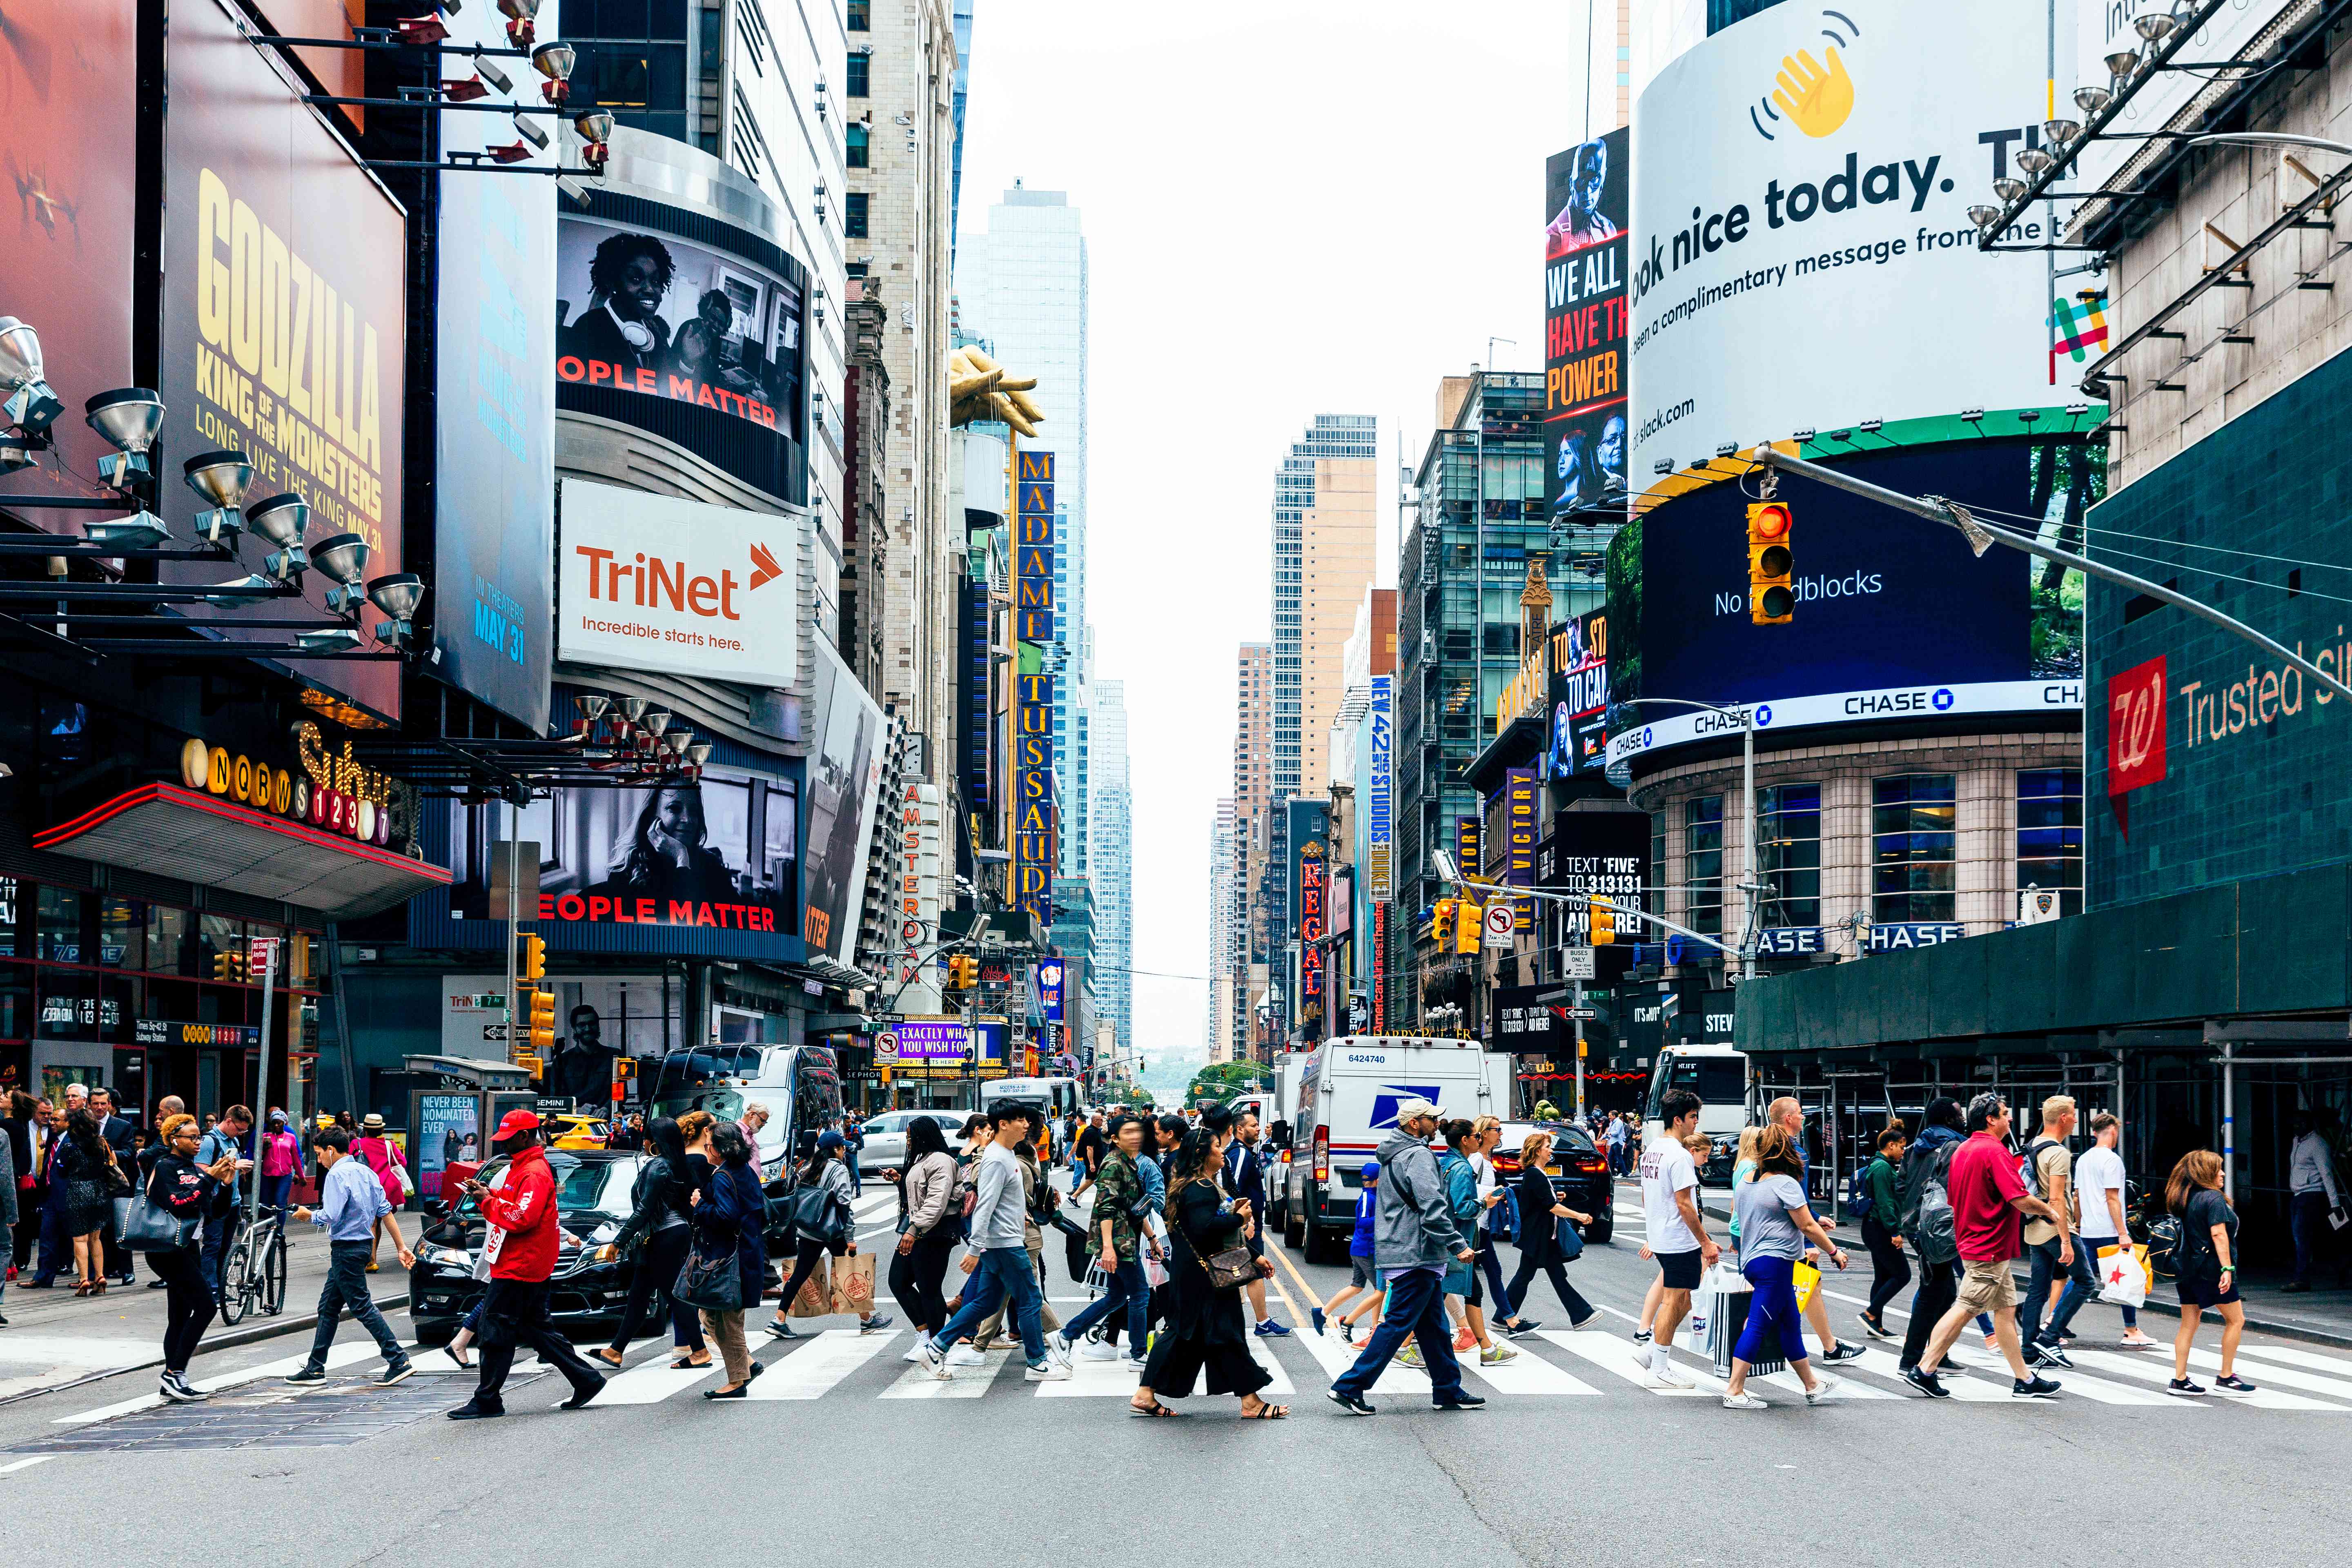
(819, 1215)
(709, 1282)
(1231, 1267)
(1564, 1236)
(145, 1226)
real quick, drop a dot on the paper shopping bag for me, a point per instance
(814, 1299)
(853, 1284)
(2123, 1276)
(1805, 1279)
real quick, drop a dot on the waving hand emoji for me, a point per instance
(1818, 101)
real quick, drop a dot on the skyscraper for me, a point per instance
(1253, 813)
(1110, 849)
(1222, 1025)
(1022, 286)
(1324, 523)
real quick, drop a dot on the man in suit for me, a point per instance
(115, 1128)
(57, 1248)
(1244, 1178)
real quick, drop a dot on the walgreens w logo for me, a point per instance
(2136, 727)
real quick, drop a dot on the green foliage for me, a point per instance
(1220, 1081)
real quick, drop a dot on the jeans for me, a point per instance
(2080, 1283)
(274, 1191)
(1887, 1263)
(218, 1230)
(347, 1286)
(1772, 1310)
(188, 1306)
(1001, 1272)
(1128, 1292)
(1416, 1309)
(856, 1177)
(2307, 1216)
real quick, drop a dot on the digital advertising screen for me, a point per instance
(1585, 197)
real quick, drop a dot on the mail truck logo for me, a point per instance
(1392, 1095)
(1813, 96)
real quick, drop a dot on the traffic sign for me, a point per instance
(1579, 1015)
(1578, 963)
(1501, 920)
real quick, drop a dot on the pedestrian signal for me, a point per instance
(1771, 591)
(1605, 921)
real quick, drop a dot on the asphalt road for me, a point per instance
(871, 1463)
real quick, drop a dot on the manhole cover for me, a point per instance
(267, 1417)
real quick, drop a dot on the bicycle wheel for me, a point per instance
(236, 1289)
(273, 1276)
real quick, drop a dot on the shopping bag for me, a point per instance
(2123, 1276)
(1806, 1279)
(816, 1297)
(1155, 1273)
(1724, 1294)
(853, 1284)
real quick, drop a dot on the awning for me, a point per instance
(203, 839)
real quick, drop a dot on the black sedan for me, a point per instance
(1579, 1171)
(590, 1288)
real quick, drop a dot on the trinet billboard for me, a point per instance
(651, 581)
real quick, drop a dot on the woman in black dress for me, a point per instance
(1205, 1326)
(1540, 1211)
(91, 1181)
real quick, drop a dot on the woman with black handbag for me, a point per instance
(183, 1190)
(822, 1224)
(929, 1228)
(1541, 1217)
(729, 1216)
(92, 1178)
(1208, 1264)
(659, 1229)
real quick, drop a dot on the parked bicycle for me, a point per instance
(254, 1272)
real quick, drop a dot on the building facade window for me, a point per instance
(859, 140)
(631, 60)
(861, 75)
(861, 16)
(1703, 863)
(2049, 833)
(853, 216)
(1914, 854)
(1789, 850)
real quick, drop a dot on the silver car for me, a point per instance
(885, 1136)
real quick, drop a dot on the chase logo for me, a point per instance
(1386, 1100)
(1942, 699)
(1814, 98)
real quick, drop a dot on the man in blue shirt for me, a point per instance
(350, 1201)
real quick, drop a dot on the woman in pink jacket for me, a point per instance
(372, 1146)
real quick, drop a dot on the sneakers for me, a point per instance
(1823, 1386)
(1046, 1371)
(1353, 1404)
(1585, 1321)
(308, 1375)
(1411, 1356)
(1744, 1401)
(399, 1372)
(1992, 1343)
(1663, 1376)
(1842, 1351)
(1495, 1355)
(175, 1387)
(473, 1410)
(938, 1363)
(2051, 1356)
(1525, 1327)
(1096, 1350)
(1874, 1328)
(2135, 1341)
(2033, 1388)
(1314, 1316)
(1135, 1364)
(1641, 1336)
(966, 1355)
(1272, 1330)
(1463, 1339)
(2233, 1384)
(1926, 1383)
(782, 1330)
(875, 1324)
(914, 1352)
(1059, 1344)
(1465, 1401)
(2183, 1388)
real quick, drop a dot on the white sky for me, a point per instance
(1291, 207)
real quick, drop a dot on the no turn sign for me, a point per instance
(1501, 920)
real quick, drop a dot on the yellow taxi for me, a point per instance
(573, 1130)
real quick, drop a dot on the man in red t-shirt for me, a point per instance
(1987, 1197)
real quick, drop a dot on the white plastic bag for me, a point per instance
(2123, 1276)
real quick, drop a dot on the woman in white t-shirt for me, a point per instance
(1774, 1224)
(2099, 1216)
(1489, 1132)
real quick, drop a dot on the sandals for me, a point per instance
(1265, 1412)
(608, 1355)
(687, 1364)
(1153, 1411)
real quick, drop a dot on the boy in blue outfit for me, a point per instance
(1359, 1254)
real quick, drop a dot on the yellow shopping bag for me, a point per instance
(1805, 1279)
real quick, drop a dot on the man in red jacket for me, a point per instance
(521, 1243)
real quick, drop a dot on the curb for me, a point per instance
(235, 1339)
(2333, 1339)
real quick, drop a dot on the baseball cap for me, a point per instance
(515, 1121)
(830, 1140)
(1370, 1170)
(1417, 1106)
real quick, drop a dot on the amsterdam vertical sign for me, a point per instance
(1033, 717)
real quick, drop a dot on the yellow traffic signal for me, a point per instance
(529, 1064)
(232, 967)
(530, 961)
(1605, 921)
(1469, 926)
(963, 972)
(1441, 925)
(1771, 594)
(542, 1023)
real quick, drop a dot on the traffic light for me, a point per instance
(233, 967)
(1441, 925)
(1469, 926)
(963, 972)
(541, 1037)
(1772, 595)
(530, 958)
(1605, 921)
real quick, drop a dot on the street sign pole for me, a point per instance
(261, 1085)
(1579, 1050)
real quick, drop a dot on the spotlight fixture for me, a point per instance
(220, 478)
(1805, 435)
(677, 740)
(282, 519)
(397, 595)
(554, 61)
(421, 30)
(246, 582)
(328, 639)
(2096, 387)
(1870, 426)
(2010, 191)
(2034, 159)
(2091, 100)
(654, 723)
(596, 125)
(1728, 449)
(529, 132)
(1984, 217)
(141, 531)
(632, 708)
(522, 21)
(1663, 466)
(2059, 133)
(32, 405)
(592, 705)
(344, 557)
(2123, 64)
(489, 72)
(129, 417)
(697, 754)
(1973, 416)
(2156, 26)
(465, 89)
(16, 452)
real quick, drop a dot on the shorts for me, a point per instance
(1679, 1271)
(2202, 1293)
(1988, 1286)
(1364, 1275)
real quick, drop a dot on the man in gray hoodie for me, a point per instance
(1414, 1238)
(999, 1263)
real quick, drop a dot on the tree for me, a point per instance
(1222, 1081)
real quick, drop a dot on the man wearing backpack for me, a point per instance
(2051, 1243)
(1986, 1198)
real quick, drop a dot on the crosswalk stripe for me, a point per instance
(2293, 1357)
(969, 1383)
(1091, 1379)
(1281, 1388)
(1841, 1387)
(2286, 1377)
(811, 1371)
(1622, 1359)
(1528, 1374)
(338, 1356)
(1967, 1390)
(2155, 1370)
(2097, 1390)
(652, 1381)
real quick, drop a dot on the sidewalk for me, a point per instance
(2323, 1317)
(55, 1338)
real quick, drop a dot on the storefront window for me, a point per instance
(1912, 818)
(11, 907)
(58, 925)
(2049, 833)
(1703, 862)
(15, 1001)
(121, 934)
(69, 1003)
(217, 935)
(1789, 838)
(167, 940)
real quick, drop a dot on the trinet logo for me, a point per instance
(653, 583)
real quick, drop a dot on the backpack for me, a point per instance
(2167, 1241)
(1935, 1231)
(1857, 1193)
(2027, 1176)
